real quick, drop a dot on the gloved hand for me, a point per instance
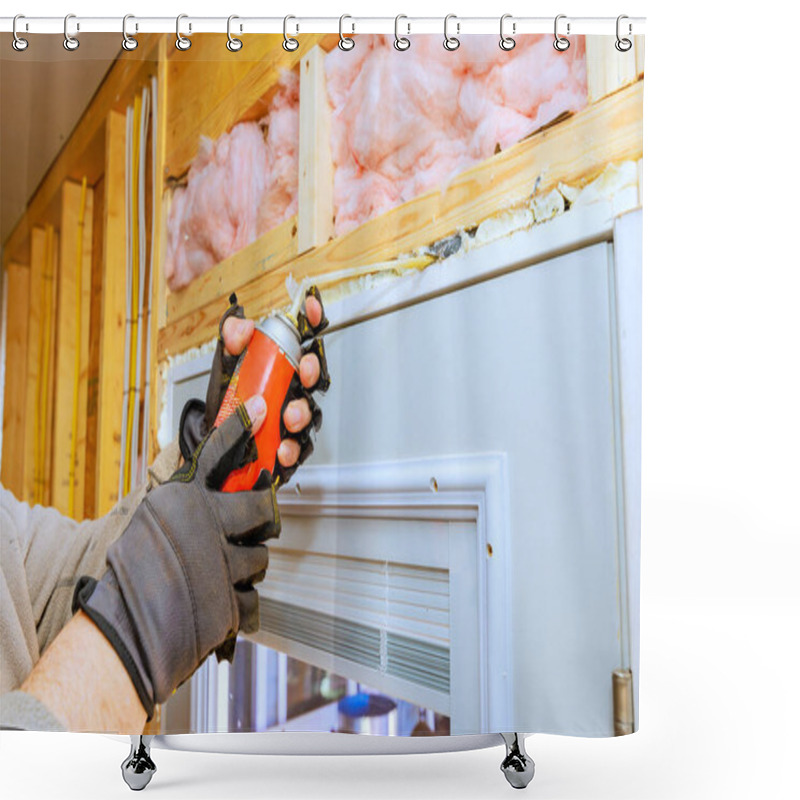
(299, 413)
(180, 578)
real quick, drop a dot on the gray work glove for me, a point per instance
(180, 578)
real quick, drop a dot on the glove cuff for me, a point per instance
(90, 597)
(192, 428)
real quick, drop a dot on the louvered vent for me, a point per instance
(391, 617)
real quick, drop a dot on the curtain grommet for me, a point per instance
(451, 43)
(401, 42)
(233, 44)
(507, 42)
(182, 42)
(623, 44)
(289, 44)
(345, 42)
(128, 42)
(70, 42)
(561, 43)
(17, 42)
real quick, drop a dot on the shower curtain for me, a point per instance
(459, 538)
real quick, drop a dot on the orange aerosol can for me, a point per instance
(266, 367)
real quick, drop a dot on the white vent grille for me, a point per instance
(387, 616)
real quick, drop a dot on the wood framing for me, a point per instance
(14, 405)
(112, 320)
(573, 151)
(82, 153)
(72, 351)
(315, 169)
(607, 69)
(212, 89)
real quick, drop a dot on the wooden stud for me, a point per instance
(51, 283)
(607, 70)
(574, 151)
(70, 341)
(14, 403)
(112, 320)
(95, 313)
(315, 169)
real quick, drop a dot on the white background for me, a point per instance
(721, 448)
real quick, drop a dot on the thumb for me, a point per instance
(256, 409)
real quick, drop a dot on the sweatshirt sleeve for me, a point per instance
(57, 550)
(20, 711)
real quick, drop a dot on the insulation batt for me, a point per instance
(404, 123)
(239, 186)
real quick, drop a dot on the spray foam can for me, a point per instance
(266, 367)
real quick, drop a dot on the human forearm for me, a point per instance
(81, 679)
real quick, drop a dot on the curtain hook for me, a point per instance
(18, 43)
(233, 44)
(560, 43)
(128, 42)
(623, 45)
(507, 42)
(182, 43)
(289, 44)
(451, 42)
(70, 42)
(401, 42)
(345, 42)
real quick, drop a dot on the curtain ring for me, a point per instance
(128, 42)
(233, 44)
(70, 42)
(18, 43)
(289, 44)
(345, 42)
(623, 45)
(506, 42)
(451, 42)
(560, 43)
(401, 42)
(182, 43)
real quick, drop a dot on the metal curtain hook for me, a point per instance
(182, 43)
(70, 42)
(560, 43)
(233, 44)
(506, 42)
(345, 42)
(128, 42)
(18, 43)
(401, 42)
(289, 44)
(451, 42)
(623, 45)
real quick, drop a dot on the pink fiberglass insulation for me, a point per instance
(239, 186)
(404, 123)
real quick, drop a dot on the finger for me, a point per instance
(309, 370)
(256, 408)
(297, 415)
(248, 517)
(236, 335)
(288, 452)
(247, 562)
(313, 310)
(247, 601)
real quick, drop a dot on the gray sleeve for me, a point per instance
(59, 550)
(20, 711)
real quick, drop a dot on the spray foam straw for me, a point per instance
(398, 265)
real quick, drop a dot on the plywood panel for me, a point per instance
(112, 319)
(14, 405)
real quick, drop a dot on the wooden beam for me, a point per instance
(575, 151)
(82, 153)
(47, 372)
(315, 169)
(112, 319)
(269, 252)
(14, 402)
(37, 250)
(211, 89)
(72, 342)
(607, 70)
